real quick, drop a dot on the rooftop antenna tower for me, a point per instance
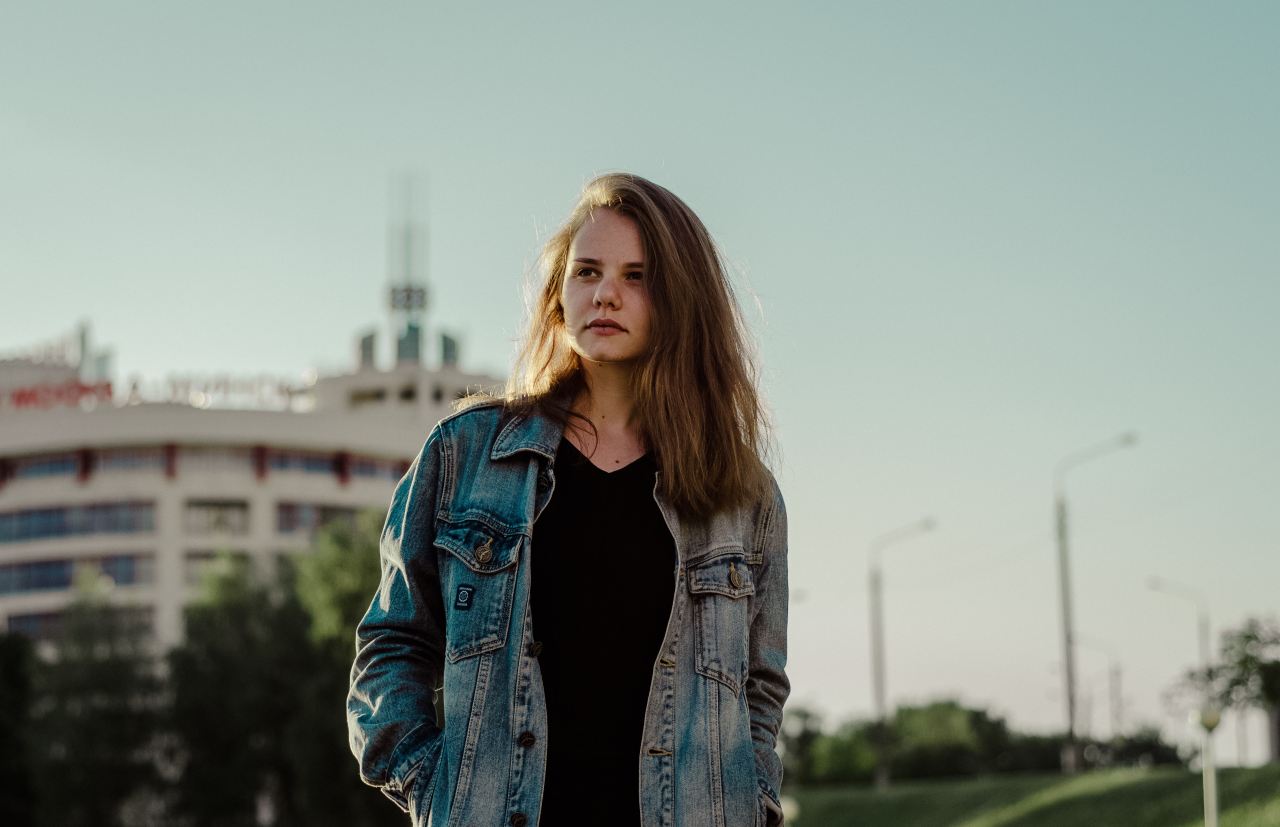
(407, 263)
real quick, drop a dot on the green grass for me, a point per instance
(1117, 798)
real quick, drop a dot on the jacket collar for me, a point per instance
(530, 431)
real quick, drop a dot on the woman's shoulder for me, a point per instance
(501, 426)
(768, 511)
(767, 494)
(473, 417)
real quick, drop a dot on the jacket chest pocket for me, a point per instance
(719, 589)
(477, 583)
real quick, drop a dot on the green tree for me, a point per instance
(235, 682)
(259, 688)
(17, 780)
(337, 579)
(935, 740)
(846, 755)
(94, 715)
(801, 731)
(1246, 674)
(335, 582)
(1144, 747)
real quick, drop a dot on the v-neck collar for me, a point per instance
(639, 462)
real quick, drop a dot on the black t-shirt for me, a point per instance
(603, 583)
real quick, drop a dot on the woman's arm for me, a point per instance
(767, 684)
(391, 720)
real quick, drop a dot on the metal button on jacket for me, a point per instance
(485, 553)
(527, 739)
(735, 579)
(519, 820)
(535, 649)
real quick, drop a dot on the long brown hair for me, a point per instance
(695, 390)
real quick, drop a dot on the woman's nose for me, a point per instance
(607, 293)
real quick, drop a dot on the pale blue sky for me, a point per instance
(980, 237)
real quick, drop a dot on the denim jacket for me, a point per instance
(452, 612)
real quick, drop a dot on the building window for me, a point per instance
(127, 569)
(293, 517)
(46, 626)
(46, 465)
(216, 459)
(57, 575)
(216, 517)
(38, 576)
(98, 518)
(367, 396)
(377, 468)
(306, 461)
(131, 459)
(36, 625)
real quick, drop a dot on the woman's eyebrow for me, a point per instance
(596, 262)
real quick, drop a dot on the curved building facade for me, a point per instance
(147, 493)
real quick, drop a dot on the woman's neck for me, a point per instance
(608, 403)
(607, 399)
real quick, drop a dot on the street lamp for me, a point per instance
(1070, 759)
(876, 588)
(1116, 703)
(1208, 716)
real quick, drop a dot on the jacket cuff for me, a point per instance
(771, 801)
(407, 760)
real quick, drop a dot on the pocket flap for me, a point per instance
(478, 546)
(725, 573)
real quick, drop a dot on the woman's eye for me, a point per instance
(583, 272)
(635, 276)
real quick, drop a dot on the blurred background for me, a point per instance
(1012, 272)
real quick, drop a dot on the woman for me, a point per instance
(591, 571)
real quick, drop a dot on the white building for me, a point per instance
(147, 492)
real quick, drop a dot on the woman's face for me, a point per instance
(604, 293)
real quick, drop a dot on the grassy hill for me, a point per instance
(1117, 798)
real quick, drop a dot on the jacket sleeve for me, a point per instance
(767, 683)
(391, 720)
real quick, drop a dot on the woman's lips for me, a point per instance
(606, 327)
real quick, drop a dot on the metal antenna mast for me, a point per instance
(407, 296)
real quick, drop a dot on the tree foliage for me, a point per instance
(259, 687)
(943, 739)
(234, 680)
(94, 714)
(17, 778)
(339, 576)
(1246, 675)
(1250, 665)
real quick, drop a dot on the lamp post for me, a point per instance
(876, 588)
(1070, 756)
(1114, 674)
(1208, 716)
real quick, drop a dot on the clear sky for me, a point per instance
(971, 238)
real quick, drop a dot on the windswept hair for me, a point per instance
(695, 389)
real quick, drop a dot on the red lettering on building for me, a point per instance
(68, 393)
